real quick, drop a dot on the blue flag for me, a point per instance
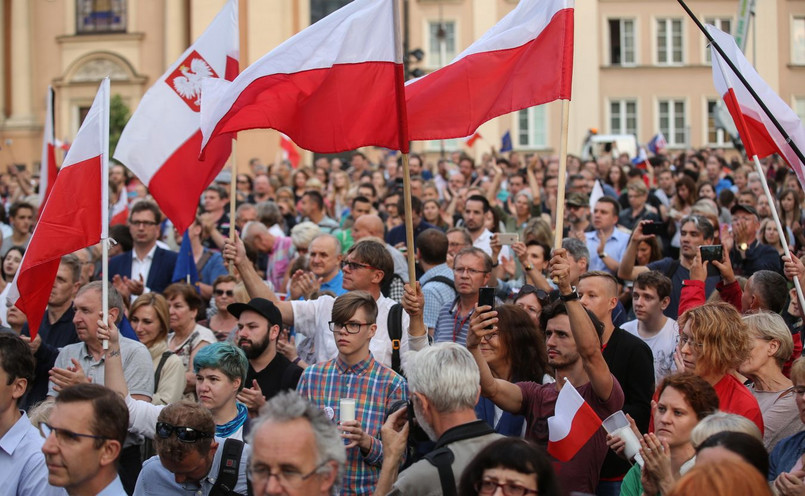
(506, 142)
(126, 330)
(185, 269)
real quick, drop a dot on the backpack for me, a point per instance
(227, 478)
(394, 324)
(441, 279)
(442, 456)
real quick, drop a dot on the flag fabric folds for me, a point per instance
(471, 140)
(160, 143)
(289, 151)
(47, 167)
(526, 59)
(506, 142)
(185, 269)
(657, 143)
(335, 86)
(573, 424)
(757, 130)
(72, 217)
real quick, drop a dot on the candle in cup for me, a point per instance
(347, 406)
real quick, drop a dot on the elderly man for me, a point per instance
(747, 253)
(279, 249)
(190, 457)
(295, 445)
(471, 271)
(83, 440)
(325, 273)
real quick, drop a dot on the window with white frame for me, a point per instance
(448, 145)
(532, 128)
(673, 121)
(622, 42)
(623, 117)
(799, 107)
(669, 41)
(441, 43)
(722, 23)
(798, 40)
(715, 135)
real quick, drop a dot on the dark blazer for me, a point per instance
(160, 275)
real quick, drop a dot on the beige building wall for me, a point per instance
(43, 49)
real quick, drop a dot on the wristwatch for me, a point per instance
(743, 246)
(528, 267)
(603, 255)
(572, 296)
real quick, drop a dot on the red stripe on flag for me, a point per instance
(70, 220)
(584, 425)
(457, 99)
(756, 138)
(328, 110)
(178, 184)
(52, 169)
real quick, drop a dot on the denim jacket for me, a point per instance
(785, 455)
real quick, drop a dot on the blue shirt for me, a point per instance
(614, 247)
(785, 455)
(335, 284)
(437, 294)
(115, 488)
(155, 479)
(213, 268)
(450, 326)
(22, 463)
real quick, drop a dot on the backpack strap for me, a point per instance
(672, 269)
(394, 324)
(443, 459)
(158, 372)
(228, 471)
(205, 257)
(442, 279)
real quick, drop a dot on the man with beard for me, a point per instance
(259, 325)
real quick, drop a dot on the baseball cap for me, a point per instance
(577, 200)
(744, 207)
(260, 305)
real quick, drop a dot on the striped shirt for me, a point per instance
(437, 294)
(374, 388)
(450, 326)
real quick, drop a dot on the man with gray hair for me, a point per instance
(295, 446)
(278, 249)
(445, 384)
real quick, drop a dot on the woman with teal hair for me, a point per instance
(220, 370)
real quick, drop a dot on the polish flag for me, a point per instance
(289, 150)
(161, 140)
(335, 86)
(758, 132)
(74, 215)
(470, 140)
(120, 210)
(47, 167)
(573, 424)
(526, 59)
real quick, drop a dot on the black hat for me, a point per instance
(260, 305)
(745, 207)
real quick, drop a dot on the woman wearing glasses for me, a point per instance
(787, 461)
(516, 467)
(149, 319)
(514, 353)
(223, 323)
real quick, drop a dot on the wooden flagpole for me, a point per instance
(105, 206)
(560, 193)
(242, 63)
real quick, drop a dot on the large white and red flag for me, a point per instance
(161, 141)
(334, 86)
(526, 59)
(74, 216)
(573, 424)
(757, 130)
(47, 167)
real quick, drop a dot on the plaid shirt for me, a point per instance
(374, 388)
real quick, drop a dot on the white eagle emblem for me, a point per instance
(186, 79)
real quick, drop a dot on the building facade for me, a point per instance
(640, 66)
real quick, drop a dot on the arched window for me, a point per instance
(100, 16)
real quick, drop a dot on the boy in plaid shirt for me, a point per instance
(355, 374)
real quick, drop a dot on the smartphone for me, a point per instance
(654, 228)
(508, 238)
(20, 167)
(486, 296)
(711, 252)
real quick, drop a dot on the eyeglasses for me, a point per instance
(489, 486)
(184, 434)
(351, 327)
(468, 271)
(489, 337)
(220, 292)
(286, 477)
(543, 297)
(684, 340)
(799, 390)
(64, 436)
(142, 223)
(356, 265)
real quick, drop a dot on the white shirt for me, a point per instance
(662, 346)
(142, 268)
(311, 319)
(484, 243)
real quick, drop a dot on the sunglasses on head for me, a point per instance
(543, 296)
(184, 434)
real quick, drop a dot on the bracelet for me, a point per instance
(296, 360)
(495, 265)
(113, 353)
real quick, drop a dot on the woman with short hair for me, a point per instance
(517, 467)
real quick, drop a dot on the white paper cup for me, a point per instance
(617, 425)
(347, 410)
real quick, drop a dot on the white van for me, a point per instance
(598, 145)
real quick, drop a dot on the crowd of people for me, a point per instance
(305, 360)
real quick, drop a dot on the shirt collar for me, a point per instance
(148, 256)
(113, 489)
(14, 436)
(357, 369)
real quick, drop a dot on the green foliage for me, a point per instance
(118, 117)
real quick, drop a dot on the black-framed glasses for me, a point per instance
(350, 327)
(287, 477)
(220, 292)
(543, 296)
(142, 223)
(184, 434)
(355, 265)
(65, 436)
(489, 486)
(467, 270)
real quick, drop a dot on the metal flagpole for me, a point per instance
(105, 204)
